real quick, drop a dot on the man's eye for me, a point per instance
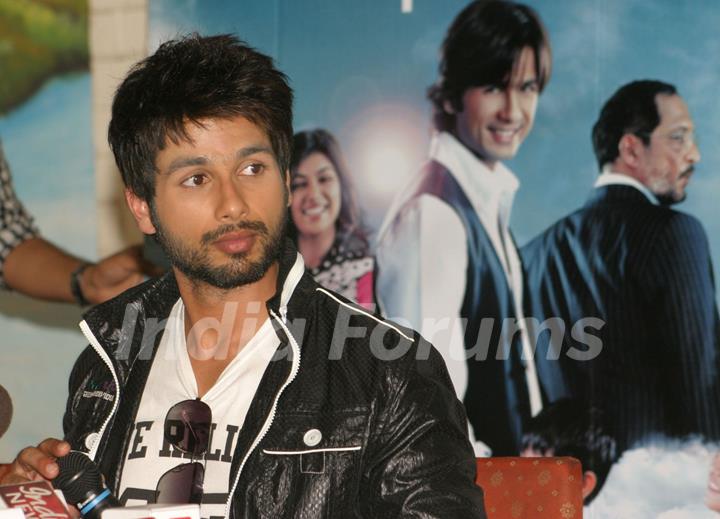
(530, 87)
(253, 169)
(297, 185)
(678, 137)
(195, 180)
(491, 89)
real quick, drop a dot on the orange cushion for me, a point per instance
(531, 487)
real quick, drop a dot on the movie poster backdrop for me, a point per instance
(361, 70)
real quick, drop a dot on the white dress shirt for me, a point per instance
(610, 178)
(422, 256)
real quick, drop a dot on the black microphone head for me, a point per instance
(82, 484)
(6, 410)
(78, 476)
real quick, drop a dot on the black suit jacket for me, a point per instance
(632, 284)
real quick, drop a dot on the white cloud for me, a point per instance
(665, 481)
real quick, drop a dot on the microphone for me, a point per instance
(6, 410)
(82, 484)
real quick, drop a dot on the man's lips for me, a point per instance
(235, 242)
(504, 135)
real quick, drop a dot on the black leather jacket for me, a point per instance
(393, 440)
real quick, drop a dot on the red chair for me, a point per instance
(537, 488)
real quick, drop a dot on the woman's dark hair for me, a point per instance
(481, 48)
(191, 79)
(631, 110)
(305, 143)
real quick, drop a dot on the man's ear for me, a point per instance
(448, 108)
(589, 481)
(630, 150)
(141, 211)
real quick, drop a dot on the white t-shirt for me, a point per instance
(172, 380)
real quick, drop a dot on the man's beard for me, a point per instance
(196, 263)
(668, 199)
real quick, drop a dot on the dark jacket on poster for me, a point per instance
(394, 440)
(650, 360)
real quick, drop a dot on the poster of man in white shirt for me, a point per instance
(447, 262)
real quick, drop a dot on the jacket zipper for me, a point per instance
(106, 359)
(271, 416)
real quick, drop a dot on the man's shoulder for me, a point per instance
(679, 233)
(346, 331)
(332, 309)
(648, 233)
(403, 225)
(433, 179)
(156, 293)
(601, 216)
(352, 346)
(652, 224)
(678, 220)
(555, 232)
(127, 324)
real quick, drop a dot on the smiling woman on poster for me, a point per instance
(324, 220)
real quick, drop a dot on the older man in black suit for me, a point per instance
(643, 269)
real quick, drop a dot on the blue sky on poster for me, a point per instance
(361, 70)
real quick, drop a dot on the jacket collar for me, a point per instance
(119, 324)
(610, 178)
(618, 194)
(290, 272)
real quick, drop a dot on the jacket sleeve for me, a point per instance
(682, 303)
(421, 463)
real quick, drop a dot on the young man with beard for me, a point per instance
(643, 269)
(313, 412)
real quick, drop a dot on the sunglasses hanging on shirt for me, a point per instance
(187, 428)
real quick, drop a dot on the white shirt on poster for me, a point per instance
(610, 178)
(422, 257)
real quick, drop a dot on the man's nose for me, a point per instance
(510, 110)
(232, 204)
(694, 153)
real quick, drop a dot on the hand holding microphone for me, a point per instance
(27, 490)
(34, 463)
(72, 472)
(81, 483)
